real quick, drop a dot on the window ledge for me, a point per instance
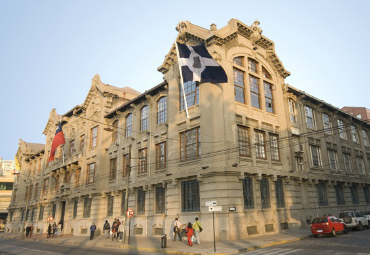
(189, 162)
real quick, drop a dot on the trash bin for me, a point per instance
(164, 241)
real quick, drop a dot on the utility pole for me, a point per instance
(128, 168)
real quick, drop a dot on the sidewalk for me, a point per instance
(154, 243)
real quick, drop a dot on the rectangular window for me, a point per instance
(252, 65)
(292, 110)
(123, 203)
(77, 178)
(75, 206)
(162, 110)
(248, 193)
(27, 214)
(192, 94)
(342, 130)
(128, 125)
(333, 162)
(160, 199)
(365, 137)
(367, 194)
(126, 165)
(90, 175)
(32, 214)
(87, 207)
(72, 147)
(354, 134)
(265, 193)
(310, 117)
(274, 147)
(140, 201)
(243, 141)
(360, 165)
(54, 210)
(279, 188)
(110, 204)
(354, 194)
(93, 137)
(45, 187)
(41, 212)
(260, 144)
(190, 196)
(255, 92)
(316, 156)
(113, 169)
(327, 123)
(322, 195)
(142, 161)
(268, 97)
(347, 162)
(82, 143)
(339, 193)
(190, 144)
(239, 86)
(160, 150)
(144, 118)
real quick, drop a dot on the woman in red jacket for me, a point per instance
(189, 232)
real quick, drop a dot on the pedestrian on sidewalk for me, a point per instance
(121, 230)
(189, 233)
(54, 228)
(31, 230)
(114, 230)
(197, 229)
(177, 229)
(49, 230)
(106, 229)
(28, 230)
(92, 231)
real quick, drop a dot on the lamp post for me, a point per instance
(128, 167)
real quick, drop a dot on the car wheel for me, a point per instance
(359, 226)
(315, 236)
(345, 230)
(333, 233)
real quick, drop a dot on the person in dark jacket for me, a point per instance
(92, 231)
(106, 229)
(49, 230)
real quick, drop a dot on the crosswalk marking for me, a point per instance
(25, 251)
(280, 251)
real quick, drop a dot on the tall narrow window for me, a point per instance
(82, 143)
(110, 204)
(347, 162)
(354, 194)
(265, 193)
(90, 175)
(142, 161)
(252, 65)
(77, 178)
(160, 199)
(114, 134)
(190, 196)
(354, 134)
(342, 130)
(292, 110)
(113, 169)
(333, 162)
(126, 165)
(366, 194)
(255, 92)
(269, 101)
(310, 117)
(45, 188)
(87, 207)
(140, 201)
(190, 144)
(274, 147)
(279, 188)
(162, 111)
(75, 207)
(315, 156)
(243, 141)
(365, 137)
(339, 194)
(192, 94)
(160, 150)
(54, 209)
(260, 144)
(123, 203)
(128, 125)
(322, 195)
(72, 147)
(327, 123)
(144, 118)
(248, 193)
(41, 212)
(360, 165)
(239, 87)
(94, 137)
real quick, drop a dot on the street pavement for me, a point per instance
(138, 243)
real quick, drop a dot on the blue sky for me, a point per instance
(50, 50)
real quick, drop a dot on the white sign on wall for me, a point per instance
(215, 208)
(211, 203)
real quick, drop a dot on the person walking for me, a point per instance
(114, 230)
(197, 229)
(28, 230)
(49, 230)
(189, 233)
(31, 230)
(92, 231)
(106, 229)
(54, 228)
(121, 230)
(177, 229)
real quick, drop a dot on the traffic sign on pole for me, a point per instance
(130, 213)
(50, 219)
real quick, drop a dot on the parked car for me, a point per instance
(354, 219)
(367, 216)
(327, 225)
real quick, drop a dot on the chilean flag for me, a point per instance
(58, 140)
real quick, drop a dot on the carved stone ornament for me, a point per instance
(257, 31)
(181, 28)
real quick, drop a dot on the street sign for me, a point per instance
(232, 209)
(215, 208)
(130, 213)
(211, 203)
(50, 219)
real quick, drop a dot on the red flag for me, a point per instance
(58, 140)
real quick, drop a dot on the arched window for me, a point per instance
(144, 118)
(292, 110)
(128, 125)
(162, 110)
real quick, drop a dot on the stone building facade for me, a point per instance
(249, 144)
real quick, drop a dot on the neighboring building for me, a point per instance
(6, 187)
(359, 112)
(255, 145)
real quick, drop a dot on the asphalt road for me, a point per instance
(13, 247)
(354, 243)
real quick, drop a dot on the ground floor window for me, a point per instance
(160, 197)
(339, 193)
(248, 193)
(123, 203)
(140, 201)
(279, 188)
(354, 194)
(190, 196)
(75, 205)
(367, 194)
(87, 207)
(265, 193)
(41, 212)
(110, 205)
(322, 195)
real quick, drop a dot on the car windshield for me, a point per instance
(320, 220)
(344, 214)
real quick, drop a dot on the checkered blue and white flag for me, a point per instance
(198, 65)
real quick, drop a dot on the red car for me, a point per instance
(327, 225)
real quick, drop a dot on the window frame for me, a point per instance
(140, 201)
(248, 193)
(190, 196)
(316, 158)
(128, 125)
(144, 118)
(260, 145)
(186, 144)
(310, 117)
(93, 137)
(113, 169)
(274, 147)
(354, 134)
(160, 199)
(90, 173)
(365, 138)
(255, 91)
(269, 97)
(244, 141)
(280, 194)
(239, 86)
(342, 129)
(332, 157)
(339, 194)
(326, 122)
(160, 155)
(322, 194)
(87, 207)
(347, 162)
(265, 193)
(354, 194)
(162, 110)
(143, 161)
(191, 92)
(110, 205)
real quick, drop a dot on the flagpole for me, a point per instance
(182, 81)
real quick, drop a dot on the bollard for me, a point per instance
(164, 241)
